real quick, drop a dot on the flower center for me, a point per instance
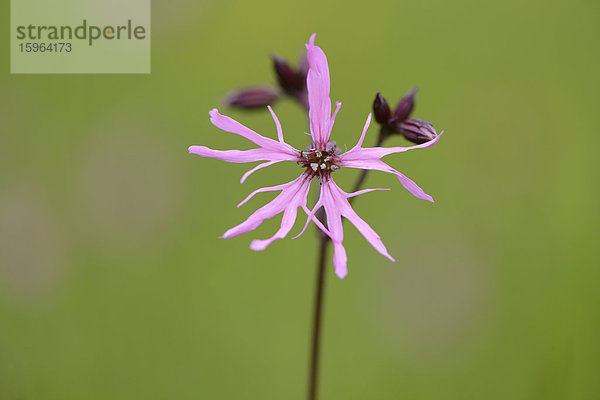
(320, 162)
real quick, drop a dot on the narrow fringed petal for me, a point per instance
(287, 222)
(340, 260)
(369, 153)
(363, 191)
(339, 198)
(277, 125)
(379, 165)
(230, 125)
(312, 217)
(332, 119)
(293, 195)
(363, 134)
(370, 159)
(288, 219)
(318, 93)
(335, 202)
(262, 190)
(412, 187)
(270, 150)
(240, 156)
(336, 230)
(259, 166)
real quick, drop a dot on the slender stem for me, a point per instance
(320, 288)
(317, 318)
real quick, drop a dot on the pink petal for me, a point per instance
(362, 136)
(311, 216)
(259, 166)
(332, 119)
(369, 153)
(241, 156)
(340, 260)
(292, 193)
(340, 199)
(412, 187)
(358, 193)
(230, 125)
(382, 166)
(288, 219)
(318, 94)
(335, 231)
(262, 190)
(277, 125)
(287, 222)
(334, 224)
(336, 205)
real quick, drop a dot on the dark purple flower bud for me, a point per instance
(405, 106)
(251, 97)
(381, 109)
(288, 79)
(417, 130)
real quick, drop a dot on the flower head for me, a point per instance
(414, 130)
(291, 82)
(417, 130)
(256, 97)
(320, 160)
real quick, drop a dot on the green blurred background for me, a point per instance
(114, 284)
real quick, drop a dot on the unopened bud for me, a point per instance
(251, 97)
(417, 130)
(381, 109)
(288, 79)
(405, 106)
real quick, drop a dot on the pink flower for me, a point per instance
(319, 161)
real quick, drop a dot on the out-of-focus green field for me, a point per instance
(114, 284)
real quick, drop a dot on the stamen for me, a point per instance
(320, 161)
